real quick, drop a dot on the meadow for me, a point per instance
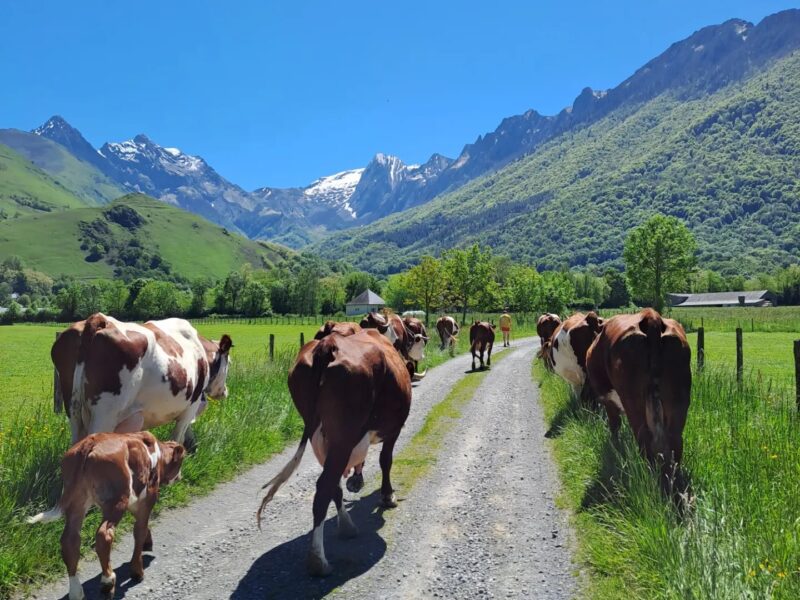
(740, 538)
(255, 421)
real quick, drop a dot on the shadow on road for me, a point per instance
(281, 571)
(91, 587)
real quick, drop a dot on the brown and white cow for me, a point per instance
(448, 329)
(566, 351)
(352, 391)
(118, 473)
(408, 336)
(546, 326)
(481, 338)
(640, 364)
(125, 377)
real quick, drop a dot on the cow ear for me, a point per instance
(225, 344)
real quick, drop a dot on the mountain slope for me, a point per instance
(726, 163)
(81, 178)
(26, 189)
(138, 228)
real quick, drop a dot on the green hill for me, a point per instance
(26, 189)
(81, 178)
(727, 163)
(135, 234)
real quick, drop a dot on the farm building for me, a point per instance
(365, 302)
(719, 299)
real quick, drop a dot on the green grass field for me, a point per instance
(773, 319)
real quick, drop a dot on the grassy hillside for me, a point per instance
(726, 163)
(79, 177)
(192, 246)
(26, 189)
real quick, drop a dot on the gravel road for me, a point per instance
(481, 524)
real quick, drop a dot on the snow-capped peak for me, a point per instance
(142, 149)
(335, 190)
(54, 123)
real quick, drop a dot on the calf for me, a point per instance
(117, 473)
(125, 377)
(481, 338)
(565, 353)
(352, 391)
(448, 332)
(640, 365)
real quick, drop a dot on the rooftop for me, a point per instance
(367, 297)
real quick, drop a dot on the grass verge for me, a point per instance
(742, 537)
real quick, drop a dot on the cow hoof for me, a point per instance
(355, 483)
(347, 530)
(318, 567)
(389, 501)
(107, 585)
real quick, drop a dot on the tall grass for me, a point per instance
(254, 422)
(741, 536)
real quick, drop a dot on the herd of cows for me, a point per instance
(352, 386)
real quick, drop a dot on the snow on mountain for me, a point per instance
(335, 190)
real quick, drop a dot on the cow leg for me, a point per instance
(489, 356)
(355, 483)
(103, 541)
(141, 535)
(71, 551)
(184, 420)
(483, 365)
(328, 482)
(388, 499)
(346, 527)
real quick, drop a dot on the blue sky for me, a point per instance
(280, 93)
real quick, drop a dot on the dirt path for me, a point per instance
(481, 524)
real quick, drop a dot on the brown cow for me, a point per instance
(341, 327)
(481, 338)
(408, 336)
(447, 327)
(117, 472)
(640, 364)
(565, 353)
(352, 391)
(546, 326)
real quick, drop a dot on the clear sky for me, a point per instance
(280, 93)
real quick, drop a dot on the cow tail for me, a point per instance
(653, 326)
(276, 482)
(54, 514)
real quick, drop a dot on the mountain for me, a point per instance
(707, 132)
(26, 189)
(80, 178)
(133, 236)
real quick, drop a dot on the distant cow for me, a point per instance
(640, 365)
(481, 338)
(546, 326)
(448, 332)
(352, 391)
(566, 351)
(125, 377)
(117, 473)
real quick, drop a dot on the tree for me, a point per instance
(618, 295)
(229, 298)
(305, 290)
(523, 288)
(357, 282)
(200, 287)
(467, 272)
(426, 284)
(396, 292)
(659, 258)
(157, 299)
(255, 299)
(557, 293)
(332, 295)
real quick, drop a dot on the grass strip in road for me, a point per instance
(417, 458)
(741, 539)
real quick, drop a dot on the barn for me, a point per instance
(365, 302)
(723, 299)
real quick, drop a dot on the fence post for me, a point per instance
(797, 370)
(302, 339)
(271, 347)
(752, 324)
(701, 349)
(57, 405)
(739, 356)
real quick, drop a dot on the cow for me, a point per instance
(640, 364)
(481, 338)
(125, 377)
(118, 473)
(341, 327)
(546, 326)
(351, 391)
(448, 332)
(407, 335)
(565, 353)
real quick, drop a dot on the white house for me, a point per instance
(365, 302)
